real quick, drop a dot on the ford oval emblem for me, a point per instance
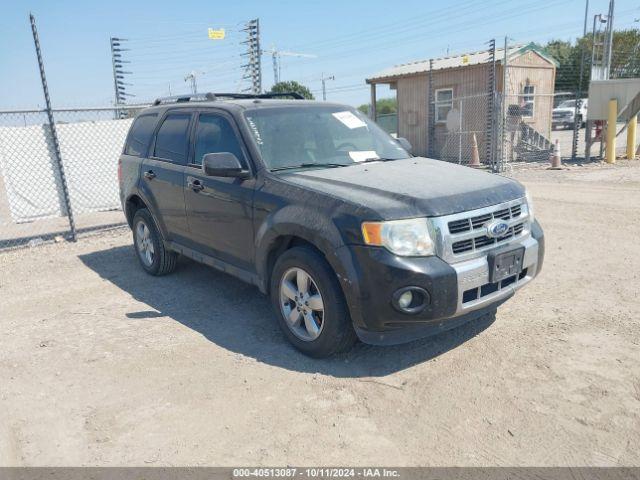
(497, 228)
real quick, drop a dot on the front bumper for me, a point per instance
(377, 274)
(561, 121)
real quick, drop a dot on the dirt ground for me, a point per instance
(101, 364)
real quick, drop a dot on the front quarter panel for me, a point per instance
(282, 209)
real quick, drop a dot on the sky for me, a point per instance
(350, 40)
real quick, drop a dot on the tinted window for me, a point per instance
(173, 138)
(214, 134)
(140, 135)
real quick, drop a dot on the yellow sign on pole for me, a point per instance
(216, 34)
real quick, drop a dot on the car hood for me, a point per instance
(411, 187)
(563, 110)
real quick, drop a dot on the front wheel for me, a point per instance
(309, 304)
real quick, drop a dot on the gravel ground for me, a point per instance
(101, 364)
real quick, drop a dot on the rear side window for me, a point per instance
(140, 135)
(173, 138)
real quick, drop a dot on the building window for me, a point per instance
(528, 100)
(444, 103)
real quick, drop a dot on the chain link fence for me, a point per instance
(388, 122)
(44, 197)
(461, 133)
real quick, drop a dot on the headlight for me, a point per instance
(529, 205)
(409, 238)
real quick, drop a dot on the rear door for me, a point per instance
(163, 172)
(219, 209)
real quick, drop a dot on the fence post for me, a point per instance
(431, 109)
(54, 133)
(491, 104)
(610, 156)
(631, 137)
(502, 134)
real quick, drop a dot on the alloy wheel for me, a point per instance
(301, 304)
(144, 242)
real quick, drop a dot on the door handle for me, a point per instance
(195, 185)
(149, 175)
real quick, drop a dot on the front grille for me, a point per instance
(478, 223)
(489, 288)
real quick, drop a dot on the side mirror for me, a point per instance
(404, 143)
(223, 164)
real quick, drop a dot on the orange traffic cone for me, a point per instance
(475, 156)
(555, 157)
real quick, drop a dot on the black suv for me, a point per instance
(350, 235)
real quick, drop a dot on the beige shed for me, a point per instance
(461, 98)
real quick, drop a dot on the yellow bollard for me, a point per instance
(631, 137)
(610, 154)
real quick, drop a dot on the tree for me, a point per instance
(292, 87)
(383, 106)
(568, 58)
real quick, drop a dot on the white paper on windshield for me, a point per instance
(349, 119)
(362, 155)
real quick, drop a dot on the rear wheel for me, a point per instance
(309, 303)
(154, 257)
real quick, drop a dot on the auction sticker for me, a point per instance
(349, 119)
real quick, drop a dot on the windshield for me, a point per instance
(318, 135)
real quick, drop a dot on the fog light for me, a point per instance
(411, 300)
(405, 299)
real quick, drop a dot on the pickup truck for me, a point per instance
(564, 115)
(350, 235)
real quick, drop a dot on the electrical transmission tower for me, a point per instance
(276, 58)
(253, 67)
(119, 84)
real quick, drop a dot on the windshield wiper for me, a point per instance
(309, 165)
(377, 159)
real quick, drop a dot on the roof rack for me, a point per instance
(209, 97)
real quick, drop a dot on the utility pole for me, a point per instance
(191, 77)
(253, 67)
(324, 89)
(117, 63)
(602, 50)
(276, 66)
(609, 44)
(54, 133)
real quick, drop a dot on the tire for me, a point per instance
(153, 256)
(336, 333)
